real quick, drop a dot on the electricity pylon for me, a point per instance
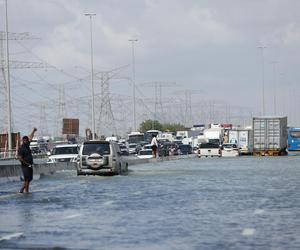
(13, 64)
(158, 103)
(106, 120)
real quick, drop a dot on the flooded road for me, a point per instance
(218, 203)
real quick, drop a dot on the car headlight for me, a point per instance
(51, 160)
(74, 159)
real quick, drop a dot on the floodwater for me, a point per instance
(215, 203)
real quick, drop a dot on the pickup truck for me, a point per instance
(209, 149)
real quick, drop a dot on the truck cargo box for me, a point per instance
(243, 138)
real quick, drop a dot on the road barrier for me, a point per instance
(13, 172)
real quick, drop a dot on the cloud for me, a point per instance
(291, 34)
(177, 25)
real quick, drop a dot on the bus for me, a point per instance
(149, 133)
(294, 139)
(136, 137)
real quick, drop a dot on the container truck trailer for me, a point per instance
(269, 136)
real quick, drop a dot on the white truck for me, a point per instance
(214, 135)
(209, 150)
(243, 138)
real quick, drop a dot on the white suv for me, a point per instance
(100, 157)
(63, 153)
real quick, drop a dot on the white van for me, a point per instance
(100, 157)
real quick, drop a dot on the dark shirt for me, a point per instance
(25, 153)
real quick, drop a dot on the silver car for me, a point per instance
(100, 157)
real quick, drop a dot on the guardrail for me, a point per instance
(11, 172)
(7, 156)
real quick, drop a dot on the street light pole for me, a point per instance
(9, 129)
(262, 48)
(275, 87)
(133, 82)
(90, 15)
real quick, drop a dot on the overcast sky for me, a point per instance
(209, 47)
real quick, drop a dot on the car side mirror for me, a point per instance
(48, 153)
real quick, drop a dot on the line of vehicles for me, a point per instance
(268, 133)
(91, 157)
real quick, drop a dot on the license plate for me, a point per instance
(105, 170)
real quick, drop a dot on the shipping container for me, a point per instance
(270, 135)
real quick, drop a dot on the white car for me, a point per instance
(230, 150)
(145, 154)
(63, 153)
(132, 148)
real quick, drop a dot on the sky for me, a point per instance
(194, 62)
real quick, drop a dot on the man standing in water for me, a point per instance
(154, 146)
(26, 159)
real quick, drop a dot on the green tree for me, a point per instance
(173, 127)
(154, 124)
(150, 124)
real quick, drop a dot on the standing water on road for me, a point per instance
(218, 203)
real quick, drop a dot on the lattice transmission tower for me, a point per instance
(106, 122)
(159, 113)
(13, 64)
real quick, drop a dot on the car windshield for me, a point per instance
(99, 148)
(64, 150)
(209, 145)
(229, 146)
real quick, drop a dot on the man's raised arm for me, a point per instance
(32, 134)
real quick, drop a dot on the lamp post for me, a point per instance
(275, 87)
(262, 48)
(90, 15)
(8, 96)
(133, 82)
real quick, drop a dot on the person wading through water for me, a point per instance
(154, 146)
(26, 159)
